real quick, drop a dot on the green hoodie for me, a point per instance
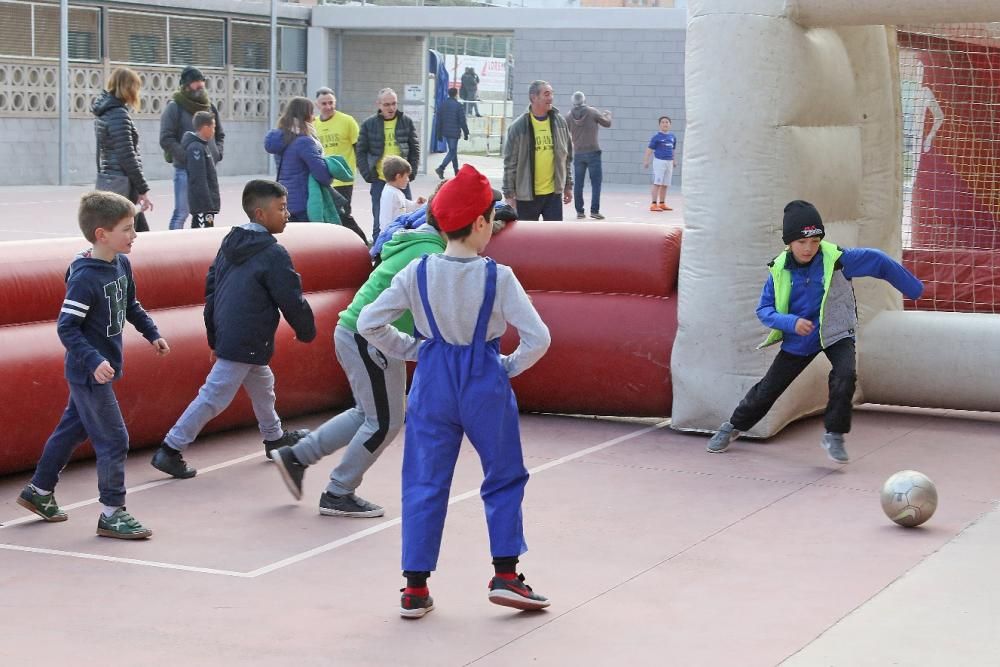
(403, 248)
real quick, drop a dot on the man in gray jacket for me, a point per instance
(174, 123)
(583, 124)
(537, 157)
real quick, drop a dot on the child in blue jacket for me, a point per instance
(808, 302)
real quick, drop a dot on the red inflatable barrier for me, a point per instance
(608, 293)
(169, 270)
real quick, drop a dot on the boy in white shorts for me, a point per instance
(661, 149)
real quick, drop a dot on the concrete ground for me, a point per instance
(652, 551)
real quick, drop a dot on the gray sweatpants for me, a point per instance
(379, 387)
(219, 390)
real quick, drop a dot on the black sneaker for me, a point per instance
(515, 593)
(349, 505)
(440, 172)
(169, 460)
(290, 469)
(414, 606)
(44, 506)
(287, 439)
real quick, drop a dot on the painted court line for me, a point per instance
(136, 489)
(316, 551)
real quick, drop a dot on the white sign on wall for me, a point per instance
(492, 71)
(413, 92)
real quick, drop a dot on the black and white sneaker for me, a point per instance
(349, 505)
(290, 469)
(287, 439)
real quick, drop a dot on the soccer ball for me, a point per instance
(909, 498)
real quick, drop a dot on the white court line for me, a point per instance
(324, 548)
(141, 487)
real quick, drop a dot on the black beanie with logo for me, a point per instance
(802, 221)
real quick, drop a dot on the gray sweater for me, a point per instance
(455, 288)
(583, 122)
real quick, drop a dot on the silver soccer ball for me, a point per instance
(909, 498)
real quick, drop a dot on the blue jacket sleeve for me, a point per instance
(872, 263)
(312, 154)
(770, 317)
(198, 192)
(135, 313)
(79, 300)
(285, 287)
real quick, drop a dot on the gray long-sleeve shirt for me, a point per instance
(455, 288)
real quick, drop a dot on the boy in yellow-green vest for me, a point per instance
(808, 302)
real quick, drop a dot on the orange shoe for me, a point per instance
(664, 207)
(654, 207)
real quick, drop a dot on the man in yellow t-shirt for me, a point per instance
(388, 132)
(337, 132)
(537, 156)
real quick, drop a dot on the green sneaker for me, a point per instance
(122, 525)
(44, 506)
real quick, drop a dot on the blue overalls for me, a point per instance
(460, 389)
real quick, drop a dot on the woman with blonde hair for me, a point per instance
(119, 165)
(298, 155)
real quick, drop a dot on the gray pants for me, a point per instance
(379, 387)
(219, 390)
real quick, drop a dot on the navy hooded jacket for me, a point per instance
(250, 281)
(100, 297)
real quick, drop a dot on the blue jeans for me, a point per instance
(451, 155)
(377, 186)
(181, 210)
(92, 412)
(581, 162)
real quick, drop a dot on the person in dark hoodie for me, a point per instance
(100, 297)
(203, 183)
(450, 126)
(178, 118)
(118, 140)
(298, 155)
(584, 122)
(250, 282)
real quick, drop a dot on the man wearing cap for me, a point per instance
(537, 157)
(584, 122)
(177, 119)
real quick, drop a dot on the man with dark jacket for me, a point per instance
(387, 132)
(470, 90)
(250, 282)
(450, 126)
(537, 156)
(175, 121)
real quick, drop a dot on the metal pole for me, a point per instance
(63, 91)
(272, 111)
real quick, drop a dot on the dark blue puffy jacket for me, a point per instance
(451, 119)
(295, 162)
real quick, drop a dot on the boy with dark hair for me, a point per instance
(808, 302)
(250, 282)
(393, 201)
(461, 386)
(100, 296)
(203, 182)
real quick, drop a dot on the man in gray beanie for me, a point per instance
(177, 119)
(583, 124)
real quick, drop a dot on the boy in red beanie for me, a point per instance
(463, 303)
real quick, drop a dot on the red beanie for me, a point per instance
(462, 199)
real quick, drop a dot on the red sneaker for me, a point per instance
(515, 593)
(414, 606)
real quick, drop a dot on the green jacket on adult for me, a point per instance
(371, 144)
(519, 156)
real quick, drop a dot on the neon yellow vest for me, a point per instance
(783, 287)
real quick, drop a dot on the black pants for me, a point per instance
(787, 367)
(549, 207)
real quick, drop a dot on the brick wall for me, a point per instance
(637, 74)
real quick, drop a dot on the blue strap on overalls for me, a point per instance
(479, 336)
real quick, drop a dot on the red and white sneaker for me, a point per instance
(515, 593)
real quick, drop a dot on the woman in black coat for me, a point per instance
(118, 141)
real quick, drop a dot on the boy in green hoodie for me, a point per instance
(377, 382)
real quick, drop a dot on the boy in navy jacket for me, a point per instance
(203, 181)
(808, 302)
(100, 297)
(251, 280)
